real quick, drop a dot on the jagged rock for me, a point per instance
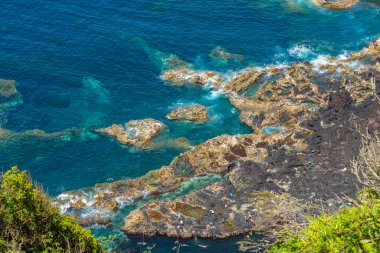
(222, 54)
(136, 133)
(336, 4)
(7, 88)
(196, 113)
(244, 79)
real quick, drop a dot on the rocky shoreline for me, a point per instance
(307, 121)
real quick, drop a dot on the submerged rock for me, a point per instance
(181, 143)
(66, 134)
(9, 96)
(196, 113)
(162, 60)
(7, 88)
(222, 54)
(136, 133)
(336, 4)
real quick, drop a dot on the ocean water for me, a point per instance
(88, 64)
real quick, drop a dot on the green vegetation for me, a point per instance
(352, 229)
(29, 222)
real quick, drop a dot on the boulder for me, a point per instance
(195, 113)
(136, 133)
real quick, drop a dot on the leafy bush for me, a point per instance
(353, 229)
(29, 222)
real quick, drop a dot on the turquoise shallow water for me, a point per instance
(79, 65)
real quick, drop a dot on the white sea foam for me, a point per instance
(91, 211)
(300, 51)
(64, 196)
(214, 94)
(122, 201)
(320, 60)
(145, 193)
(63, 208)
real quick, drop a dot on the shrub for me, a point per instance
(367, 164)
(29, 222)
(352, 229)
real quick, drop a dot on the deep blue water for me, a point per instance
(78, 64)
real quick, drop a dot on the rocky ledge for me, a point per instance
(136, 133)
(336, 4)
(307, 121)
(195, 113)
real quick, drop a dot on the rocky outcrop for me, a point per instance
(321, 116)
(222, 54)
(271, 177)
(189, 76)
(136, 133)
(336, 4)
(195, 113)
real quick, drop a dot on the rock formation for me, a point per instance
(336, 4)
(136, 133)
(318, 112)
(189, 76)
(195, 113)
